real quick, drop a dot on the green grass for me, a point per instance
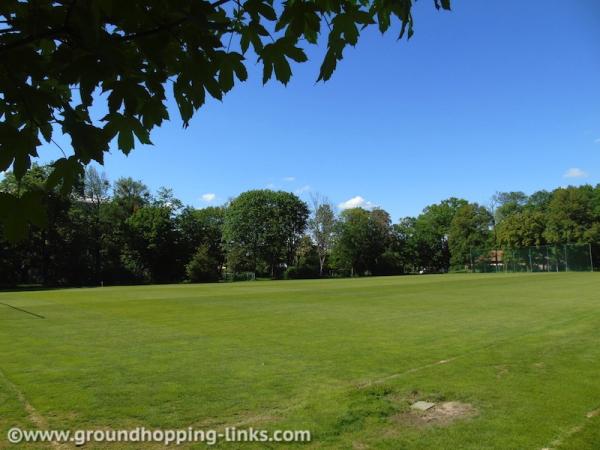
(342, 358)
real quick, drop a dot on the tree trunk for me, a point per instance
(98, 248)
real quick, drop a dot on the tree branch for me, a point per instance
(51, 33)
(219, 3)
(158, 29)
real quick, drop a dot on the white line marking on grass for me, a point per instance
(32, 414)
(406, 372)
(476, 350)
(558, 441)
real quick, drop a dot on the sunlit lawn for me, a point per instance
(342, 358)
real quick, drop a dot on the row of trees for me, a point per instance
(117, 233)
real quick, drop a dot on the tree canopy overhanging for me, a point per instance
(60, 58)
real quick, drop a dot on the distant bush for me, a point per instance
(389, 263)
(203, 267)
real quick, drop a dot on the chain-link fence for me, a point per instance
(544, 258)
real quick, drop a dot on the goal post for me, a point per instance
(239, 276)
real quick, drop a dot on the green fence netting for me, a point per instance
(544, 258)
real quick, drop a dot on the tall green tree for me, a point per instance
(130, 195)
(432, 229)
(203, 267)
(507, 203)
(44, 256)
(351, 245)
(570, 214)
(539, 200)
(522, 229)
(262, 229)
(202, 228)
(96, 190)
(153, 244)
(322, 227)
(362, 238)
(470, 228)
(405, 243)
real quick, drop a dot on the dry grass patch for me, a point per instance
(442, 414)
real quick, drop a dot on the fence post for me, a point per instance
(512, 255)
(530, 263)
(547, 259)
(496, 259)
(566, 259)
(471, 258)
(591, 258)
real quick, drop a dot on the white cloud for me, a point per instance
(574, 172)
(356, 202)
(208, 197)
(303, 189)
(289, 179)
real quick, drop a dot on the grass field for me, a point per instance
(342, 358)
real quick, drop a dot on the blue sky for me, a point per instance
(496, 95)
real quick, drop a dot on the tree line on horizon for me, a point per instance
(121, 233)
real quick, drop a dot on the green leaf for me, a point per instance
(296, 53)
(186, 109)
(274, 58)
(267, 72)
(226, 77)
(240, 69)
(328, 66)
(17, 147)
(65, 171)
(267, 11)
(21, 164)
(212, 87)
(125, 127)
(283, 72)
(383, 19)
(231, 63)
(140, 132)
(126, 140)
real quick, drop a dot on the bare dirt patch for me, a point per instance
(594, 413)
(442, 414)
